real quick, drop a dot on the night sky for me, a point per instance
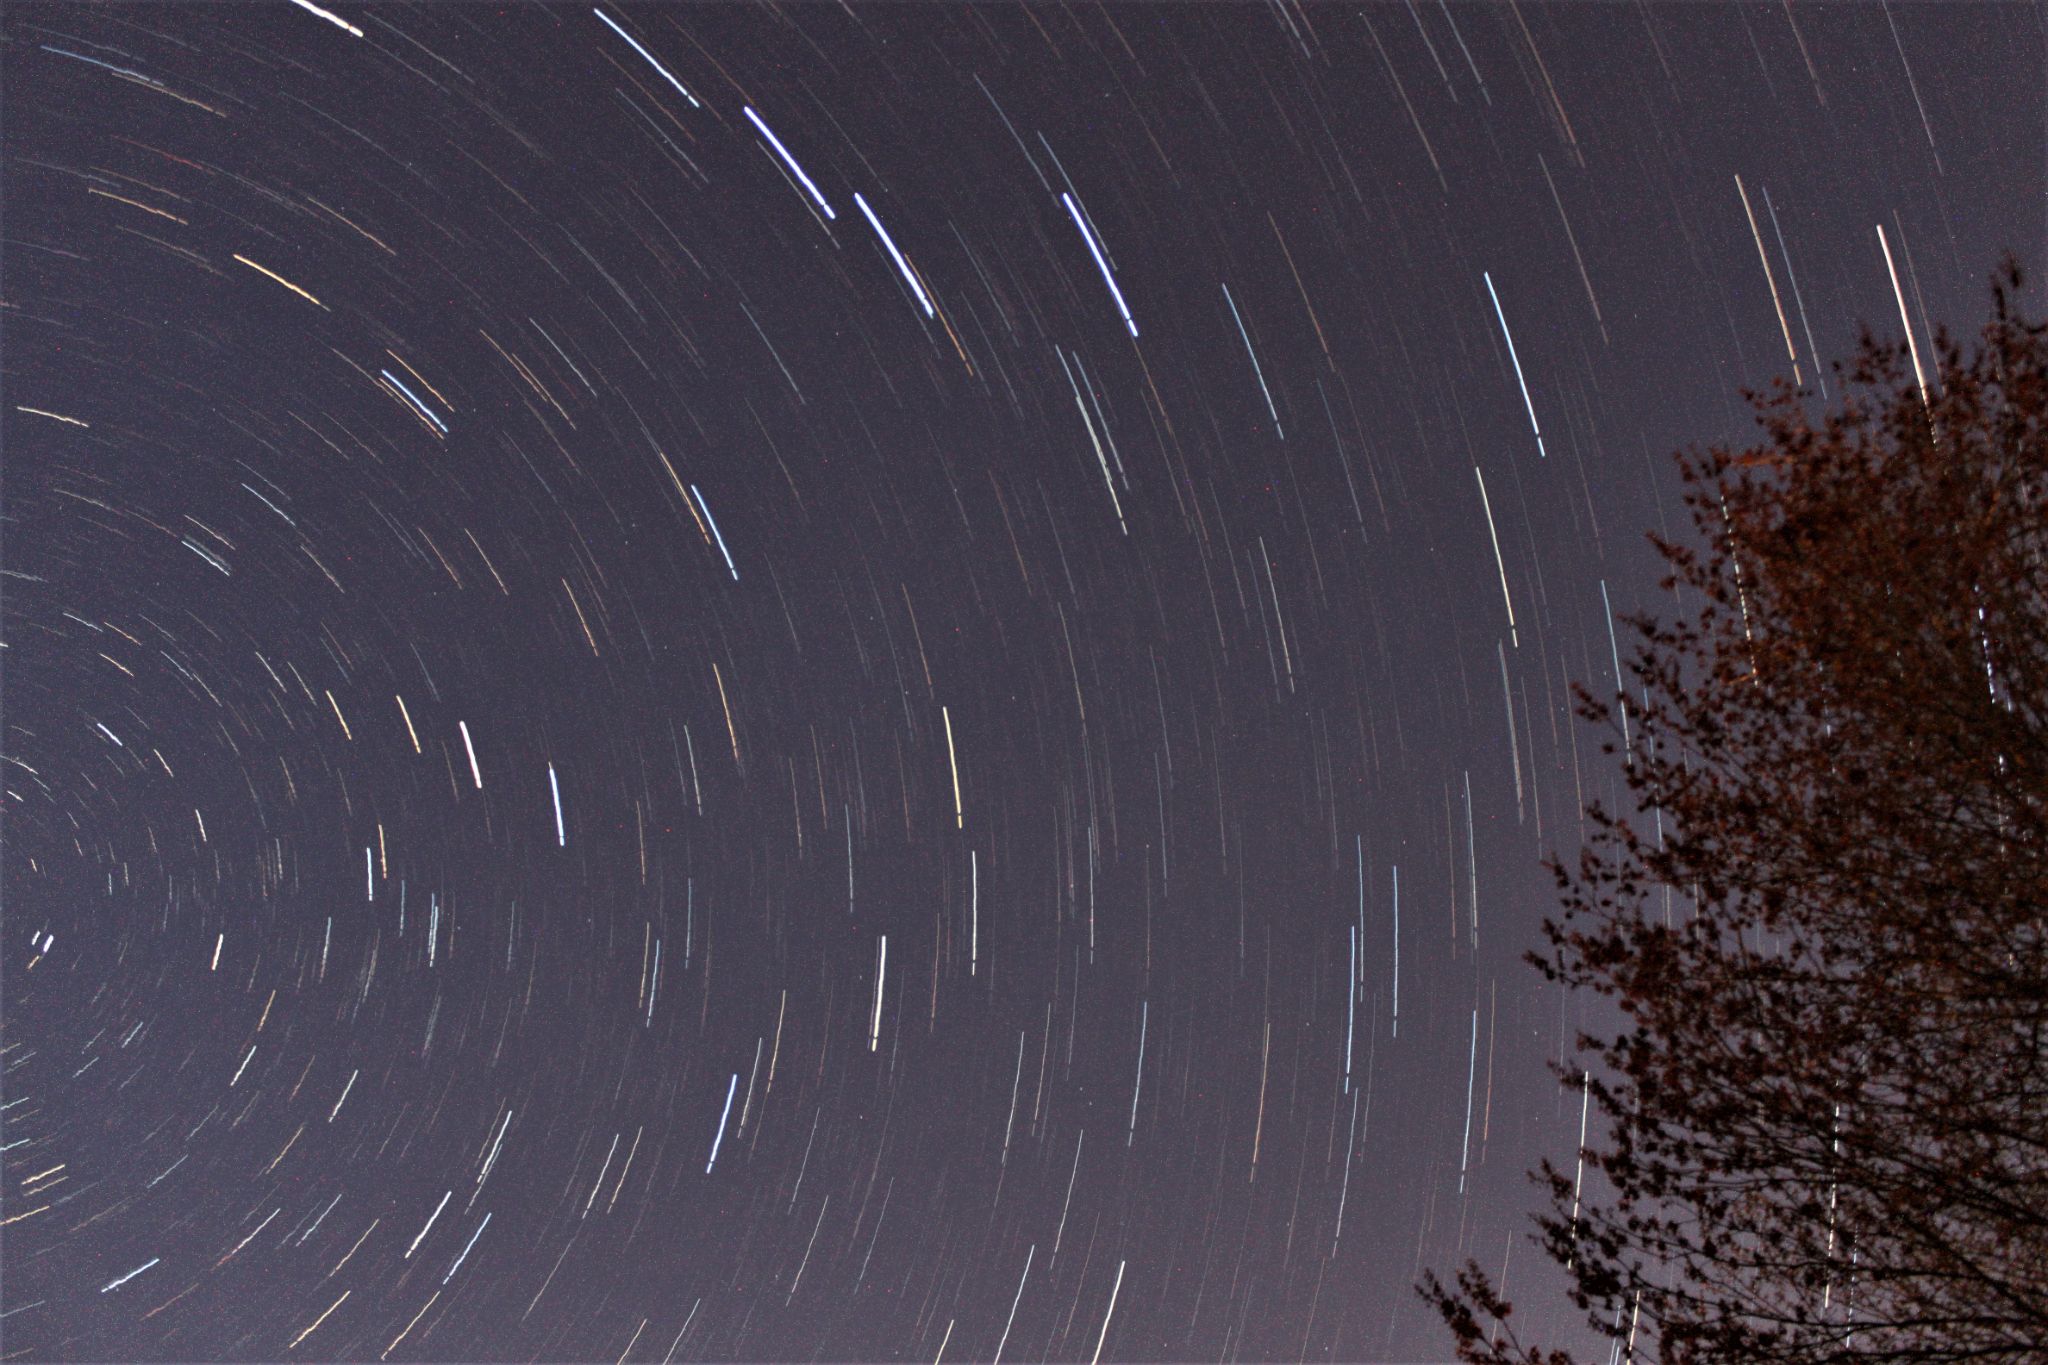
(798, 682)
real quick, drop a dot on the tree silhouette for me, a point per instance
(1825, 1102)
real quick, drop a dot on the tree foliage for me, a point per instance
(1825, 1103)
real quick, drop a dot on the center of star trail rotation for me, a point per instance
(863, 682)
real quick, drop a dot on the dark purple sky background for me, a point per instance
(480, 369)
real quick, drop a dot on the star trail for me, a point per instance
(762, 682)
